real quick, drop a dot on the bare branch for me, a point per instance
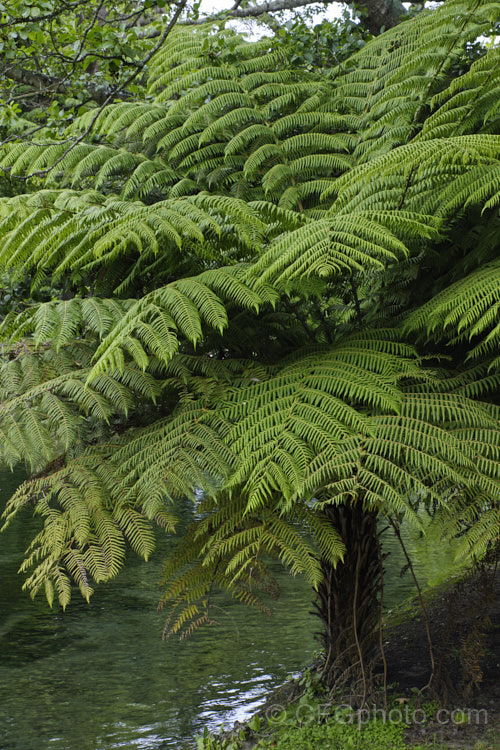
(253, 11)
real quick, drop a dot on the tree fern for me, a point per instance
(221, 278)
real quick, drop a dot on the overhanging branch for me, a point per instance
(253, 11)
(377, 15)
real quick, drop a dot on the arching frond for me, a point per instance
(214, 284)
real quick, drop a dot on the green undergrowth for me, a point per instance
(311, 724)
(312, 736)
(376, 735)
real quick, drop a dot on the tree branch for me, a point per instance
(377, 14)
(253, 11)
(39, 81)
(115, 91)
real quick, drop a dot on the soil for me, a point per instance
(464, 625)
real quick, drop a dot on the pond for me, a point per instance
(99, 675)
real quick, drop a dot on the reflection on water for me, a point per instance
(99, 676)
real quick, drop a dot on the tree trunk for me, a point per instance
(379, 15)
(348, 604)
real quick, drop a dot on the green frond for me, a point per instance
(469, 307)
(183, 307)
(328, 247)
(191, 274)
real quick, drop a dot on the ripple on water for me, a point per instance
(99, 676)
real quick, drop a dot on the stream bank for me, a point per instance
(448, 701)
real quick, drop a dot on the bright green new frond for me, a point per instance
(315, 401)
(426, 164)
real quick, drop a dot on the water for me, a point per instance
(99, 676)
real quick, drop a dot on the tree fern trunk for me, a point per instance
(348, 604)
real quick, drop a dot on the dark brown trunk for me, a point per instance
(348, 604)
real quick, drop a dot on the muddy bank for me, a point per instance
(464, 670)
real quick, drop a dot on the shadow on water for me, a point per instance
(99, 676)
(24, 641)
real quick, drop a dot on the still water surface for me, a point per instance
(99, 676)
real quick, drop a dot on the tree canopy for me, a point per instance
(270, 289)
